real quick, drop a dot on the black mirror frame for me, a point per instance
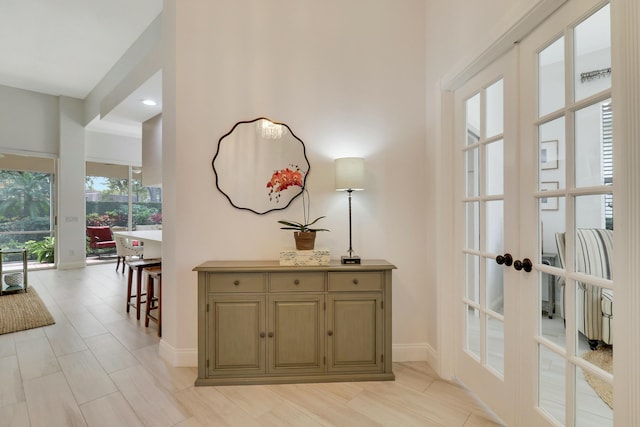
(304, 152)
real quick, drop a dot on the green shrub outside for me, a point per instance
(115, 213)
(43, 249)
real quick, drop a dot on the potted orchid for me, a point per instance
(304, 234)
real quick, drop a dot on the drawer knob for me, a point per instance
(236, 282)
(296, 282)
(262, 334)
(355, 281)
(330, 333)
(270, 334)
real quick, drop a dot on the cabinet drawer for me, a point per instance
(355, 281)
(296, 282)
(236, 282)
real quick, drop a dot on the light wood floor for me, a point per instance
(98, 366)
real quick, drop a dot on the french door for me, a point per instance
(535, 220)
(486, 134)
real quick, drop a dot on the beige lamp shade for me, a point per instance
(350, 174)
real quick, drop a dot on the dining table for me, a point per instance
(151, 241)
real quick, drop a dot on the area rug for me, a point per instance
(23, 310)
(602, 357)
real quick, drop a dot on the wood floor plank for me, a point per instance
(7, 345)
(315, 401)
(86, 324)
(208, 407)
(15, 415)
(132, 336)
(454, 396)
(104, 313)
(51, 403)
(391, 413)
(110, 352)
(109, 411)
(416, 402)
(11, 390)
(413, 378)
(29, 334)
(152, 404)
(192, 422)
(171, 378)
(36, 357)
(287, 414)
(87, 379)
(255, 401)
(64, 339)
(479, 421)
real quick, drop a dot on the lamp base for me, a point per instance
(350, 259)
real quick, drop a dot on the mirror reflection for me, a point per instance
(260, 165)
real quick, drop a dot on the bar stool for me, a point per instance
(138, 265)
(154, 302)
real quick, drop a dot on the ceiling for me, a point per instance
(65, 47)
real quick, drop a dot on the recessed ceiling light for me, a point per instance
(149, 102)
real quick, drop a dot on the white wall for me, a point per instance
(152, 152)
(348, 78)
(110, 148)
(29, 122)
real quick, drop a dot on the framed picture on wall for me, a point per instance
(549, 154)
(549, 203)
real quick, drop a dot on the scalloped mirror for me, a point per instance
(260, 165)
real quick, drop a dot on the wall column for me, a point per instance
(70, 235)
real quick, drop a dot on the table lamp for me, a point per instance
(350, 178)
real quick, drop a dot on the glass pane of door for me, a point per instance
(575, 211)
(484, 227)
(592, 53)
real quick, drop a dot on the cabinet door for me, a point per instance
(355, 334)
(236, 338)
(296, 333)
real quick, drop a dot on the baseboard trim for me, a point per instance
(71, 265)
(414, 353)
(179, 358)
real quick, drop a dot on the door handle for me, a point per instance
(525, 265)
(505, 259)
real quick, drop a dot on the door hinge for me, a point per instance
(207, 307)
(382, 358)
(207, 363)
(325, 306)
(324, 360)
(382, 305)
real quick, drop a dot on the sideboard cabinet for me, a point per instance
(262, 323)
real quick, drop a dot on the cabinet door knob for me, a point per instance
(296, 282)
(236, 282)
(270, 334)
(262, 334)
(330, 333)
(355, 281)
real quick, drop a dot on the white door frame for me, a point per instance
(625, 37)
(625, 17)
